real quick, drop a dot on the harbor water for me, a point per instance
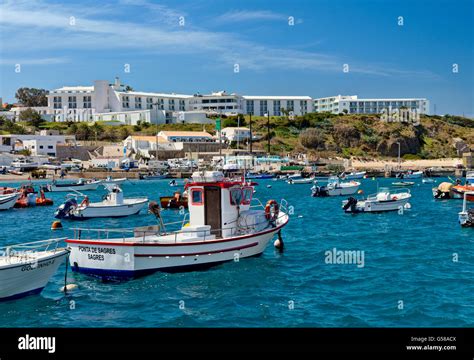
(417, 270)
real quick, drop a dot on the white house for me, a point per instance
(235, 133)
(37, 144)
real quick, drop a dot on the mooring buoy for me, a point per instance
(56, 225)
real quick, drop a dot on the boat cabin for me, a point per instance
(218, 205)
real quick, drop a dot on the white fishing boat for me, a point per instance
(299, 179)
(25, 269)
(335, 187)
(354, 175)
(383, 200)
(7, 201)
(225, 224)
(113, 205)
(111, 181)
(410, 174)
(466, 216)
(80, 185)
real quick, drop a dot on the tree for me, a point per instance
(124, 132)
(32, 96)
(96, 130)
(83, 132)
(31, 117)
(311, 139)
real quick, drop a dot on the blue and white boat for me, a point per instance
(25, 269)
(256, 176)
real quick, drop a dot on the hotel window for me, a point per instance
(138, 103)
(263, 107)
(125, 102)
(181, 105)
(149, 103)
(250, 109)
(290, 105)
(87, 102)
(72, 103)
(276, 108)
(171, 104)
(57, 102)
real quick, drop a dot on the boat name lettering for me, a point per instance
(29, 267)
(97, 250)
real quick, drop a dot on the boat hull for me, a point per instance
(8, 201)
(83, 187)
(20, 280)
(382, 206)
(91, 211)
(117, 259)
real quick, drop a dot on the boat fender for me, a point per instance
(394, 198)
(85, 202)
(279, 242)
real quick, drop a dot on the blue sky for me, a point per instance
(274, 58)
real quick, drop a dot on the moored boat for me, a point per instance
(113, 205)
(223, 226)
(470, 176)
(383, 200)
(25, 269)
(299, 179)
(466, 216)
(354, 175)
(80, 185)
(153, 176)
(257, 176)
(410, 174)
(403, 183)
(111, 181)
(335, 187)
(7, 201)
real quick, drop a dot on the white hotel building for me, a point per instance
(113, 103)
(352, 105)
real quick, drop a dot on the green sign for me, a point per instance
(218, 124)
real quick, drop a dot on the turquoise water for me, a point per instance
(407, 258)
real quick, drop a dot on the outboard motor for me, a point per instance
(351, 203)
(64, 209)
(319, 191)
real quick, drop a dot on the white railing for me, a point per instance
(150, 233)
(25, 250)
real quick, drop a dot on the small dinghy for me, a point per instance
(353, 175)
(110, 181)
(428, 180)
(299, 179)
(383, 200)
(153, 176)
(25, 269)
(113, 205)
(410, 174)
(335, 187)
(403, 183)
(7, 201)
(255, 176)
(80, 185)
(466, 216)
(222, 226)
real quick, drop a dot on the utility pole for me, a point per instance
(399, 166)
(268, 130)
(250, 128)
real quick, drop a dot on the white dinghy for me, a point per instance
(335, 187)
(111, 181)
(353, 175)
(223, 226)
(25, 269)
(299, 179)
(80, 185)
(383, 200)
(113, 205)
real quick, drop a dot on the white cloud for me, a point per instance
(38, 26)
(34, 61)
(247, 15)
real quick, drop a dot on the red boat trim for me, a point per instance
(116, 243)
(199, 253)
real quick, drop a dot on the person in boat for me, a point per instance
(86, 201)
